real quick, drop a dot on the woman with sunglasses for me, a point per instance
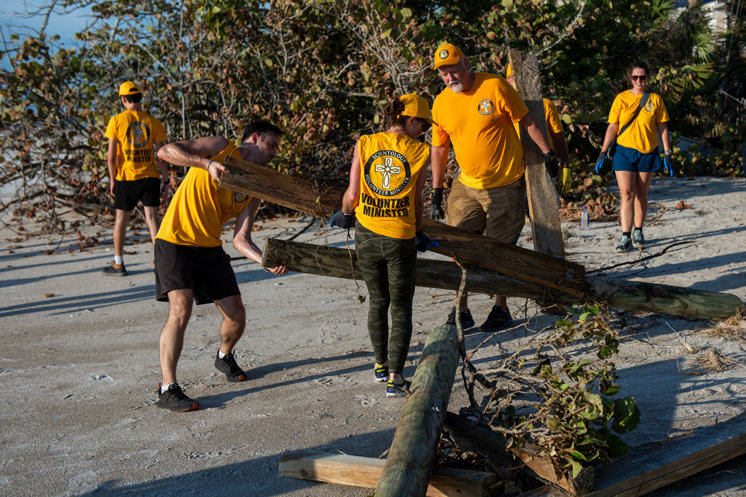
(385, 195)
(636, 129)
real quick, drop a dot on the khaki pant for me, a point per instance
(498, 213)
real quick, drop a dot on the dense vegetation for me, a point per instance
(321, 69)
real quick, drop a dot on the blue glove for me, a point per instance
(424, 242)
(668, 163)
(342, 220)
(600, 162)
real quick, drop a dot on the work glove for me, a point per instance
(342, 220)
(600, 162)
(565, 180)
(668, 163)
(436, 201)
(424, 242)
(552, 163)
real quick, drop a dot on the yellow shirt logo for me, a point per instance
(485, 107)
(387, 172)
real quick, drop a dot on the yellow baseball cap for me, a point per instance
(447, 55)
(128, 88)
(416, 106)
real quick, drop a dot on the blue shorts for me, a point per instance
(629, 159)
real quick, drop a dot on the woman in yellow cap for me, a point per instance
(385, 195)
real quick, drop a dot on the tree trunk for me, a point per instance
(630, 295)
(466, 247)
(412, 454)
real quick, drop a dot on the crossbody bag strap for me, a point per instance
(643, 101)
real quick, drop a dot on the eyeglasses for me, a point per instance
(639, 78)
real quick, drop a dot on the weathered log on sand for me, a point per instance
(468, 248)
(630, 295)
(412, 454)
(365, 472)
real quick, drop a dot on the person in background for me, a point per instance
(134, 139)
(636, 158)
(556, 134)
(190, 264)
(385, 197)
(475, 113)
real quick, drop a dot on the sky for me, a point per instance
(13, 19)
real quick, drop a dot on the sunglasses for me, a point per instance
(639, 78)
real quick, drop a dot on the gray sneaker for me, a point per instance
(115, 270)
(625, 244)
(638, 241)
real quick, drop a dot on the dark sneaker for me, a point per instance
(115, 270)
(381, 373)
(466, 320)
(497, 320)
(397, 389)
(638, 241)
(228, 366)
(625, 244)
(175, 400)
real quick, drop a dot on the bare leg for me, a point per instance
(121, 220)
(151, 218)
(627, 181)
(642, 185)
(234, 322)
(172, 334)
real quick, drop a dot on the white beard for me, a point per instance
(457, 87)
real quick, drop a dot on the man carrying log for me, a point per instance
(475, 113)
(190, 263)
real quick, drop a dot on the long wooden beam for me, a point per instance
(543, 201)
(412, 455)
(366, 472)
(469, 248)
(630, 295)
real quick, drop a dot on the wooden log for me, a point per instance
(412, 455)
(336, 262)
(543, 200)
(366, 472)
(664, 299)
(468, 248)
(649, 467)
(281, 189)
(630, 295)
(518, 262)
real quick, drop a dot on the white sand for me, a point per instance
(79, 361)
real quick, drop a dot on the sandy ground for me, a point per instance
(79, 361)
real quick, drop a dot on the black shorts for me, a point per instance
(206, 271)
(127, 193)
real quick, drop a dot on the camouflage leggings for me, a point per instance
(388, 266)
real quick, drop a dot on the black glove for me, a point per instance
(552, 163)
(342, 220)
(436, 201)
(424, 242)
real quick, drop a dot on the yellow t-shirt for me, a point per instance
(551, 116)
(136, 133)
(479, 125)
(200, 208)
(642, 134)
(390, 164)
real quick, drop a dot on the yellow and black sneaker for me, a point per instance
(394, 389)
